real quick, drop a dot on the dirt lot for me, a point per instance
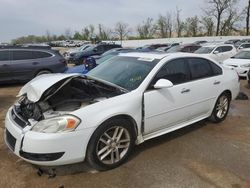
(201, 155)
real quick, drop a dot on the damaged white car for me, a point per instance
(68, 118)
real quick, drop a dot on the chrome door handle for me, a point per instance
(185, 90)
(216, 82)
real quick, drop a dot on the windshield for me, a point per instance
(125, 72)
(204, 50)
(242, 55)
(104, 58)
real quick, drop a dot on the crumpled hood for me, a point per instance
(36, 87)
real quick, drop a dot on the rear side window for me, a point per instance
(38, 54)
(199, 68)
(22, 55)
(219, 49)
(216, 69)
(176, 71)
(4, 55)
(226, 48)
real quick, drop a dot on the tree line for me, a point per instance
(219, 18)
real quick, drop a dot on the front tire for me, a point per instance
(111, 144)
(221, 108)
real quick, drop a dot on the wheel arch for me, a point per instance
(40, 70)
(126, 117)
(228, 93)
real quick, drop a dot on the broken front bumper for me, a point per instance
(46, 149)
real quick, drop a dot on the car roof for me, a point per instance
(155, 55)
(160, 55)
(217, 45)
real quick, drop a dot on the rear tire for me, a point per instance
(111, 144)
(221, 108)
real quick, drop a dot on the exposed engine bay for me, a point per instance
(65, 96)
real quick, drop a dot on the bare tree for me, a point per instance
(192, 26)
(48, 36)
(247, 18)
(179, 26)
(169, 22)
(165, 25)
(68, 33)
(217, 8)
(147, 29)
(104, 33)
(121, 30)
(208, 25)
(161, 23)
(229, 23)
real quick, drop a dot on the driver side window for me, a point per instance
(176, 71)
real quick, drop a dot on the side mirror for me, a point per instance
(216, 52)
(241, 47)
(95, 49)
(163, 83)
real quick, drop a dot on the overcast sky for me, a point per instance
(26, 17)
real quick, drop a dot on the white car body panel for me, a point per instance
(179, 110)
(238, 64)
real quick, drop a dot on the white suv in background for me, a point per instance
(219, 52)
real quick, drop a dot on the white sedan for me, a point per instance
(68, 118)
(240, 62)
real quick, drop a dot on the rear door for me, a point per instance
(227, 51)
(206, 79)
(5, 65)
(22, 63)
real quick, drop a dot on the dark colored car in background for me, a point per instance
(98, 49)
(166, 48)
(190, 48)
(21, 64)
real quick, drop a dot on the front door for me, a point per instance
(168, 106)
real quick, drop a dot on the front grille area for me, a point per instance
(17, 119)
(11, 141)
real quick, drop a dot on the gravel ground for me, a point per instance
(201, 155)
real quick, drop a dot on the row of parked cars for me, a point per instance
(29, 61)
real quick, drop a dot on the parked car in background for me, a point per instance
(190, 48)
(98, 49)
(166, 48)
(21, 64)
(73, 51)
(88, 64)
(232, 41)
(99, 117)
(237, 44)
(219, 52)
(200, 42)
(240, 62)
(151, 47)
(113, 52)
(243, 45)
